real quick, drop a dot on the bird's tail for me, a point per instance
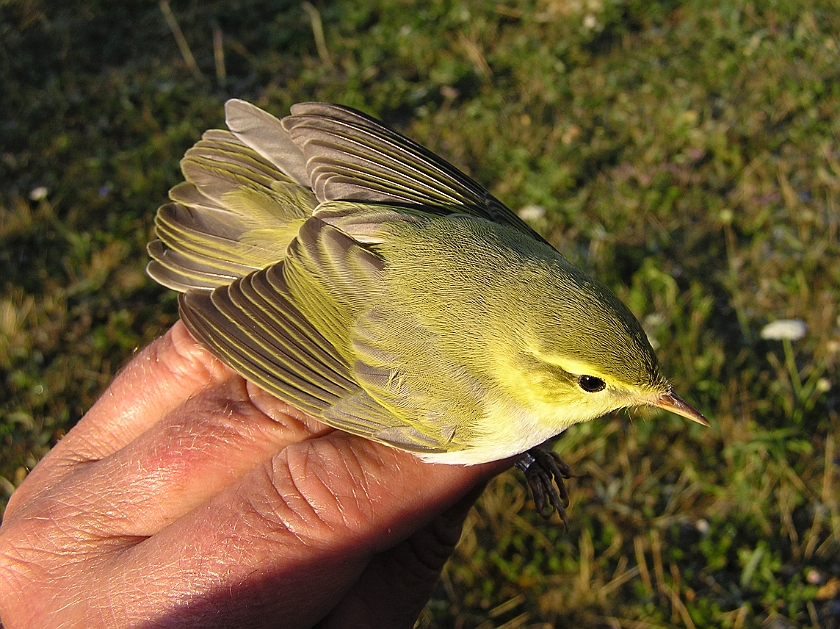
(245, 197)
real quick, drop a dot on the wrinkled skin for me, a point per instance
(187, 497)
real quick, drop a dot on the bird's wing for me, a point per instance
(278, 328)
(378, 340)
(351, 157)
(235, 213)
(252, 326)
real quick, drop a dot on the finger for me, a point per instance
(159, 379)
(200, 448)
(163, 376)
(288, 540)
(397, 584)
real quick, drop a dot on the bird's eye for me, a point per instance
(591, 384)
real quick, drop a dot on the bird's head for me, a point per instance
(587, 355)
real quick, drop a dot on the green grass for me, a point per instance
(686, 153)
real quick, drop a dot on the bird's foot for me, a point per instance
(545, 471)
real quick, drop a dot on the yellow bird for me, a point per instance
(364, 280)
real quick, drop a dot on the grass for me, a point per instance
(686, 153)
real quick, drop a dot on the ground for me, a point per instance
(685, 153)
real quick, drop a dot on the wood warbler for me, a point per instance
(364, 280)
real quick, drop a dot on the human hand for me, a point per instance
(189, 497)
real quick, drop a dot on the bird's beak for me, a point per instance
(675, 404)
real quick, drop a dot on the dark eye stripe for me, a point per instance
(591, 384)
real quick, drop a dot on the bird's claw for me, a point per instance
(545, 471)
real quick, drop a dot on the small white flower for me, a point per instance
(531, 212)
(38, 194)
(813, 577)
(653, 320)
(784, 329)
(652, 323)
